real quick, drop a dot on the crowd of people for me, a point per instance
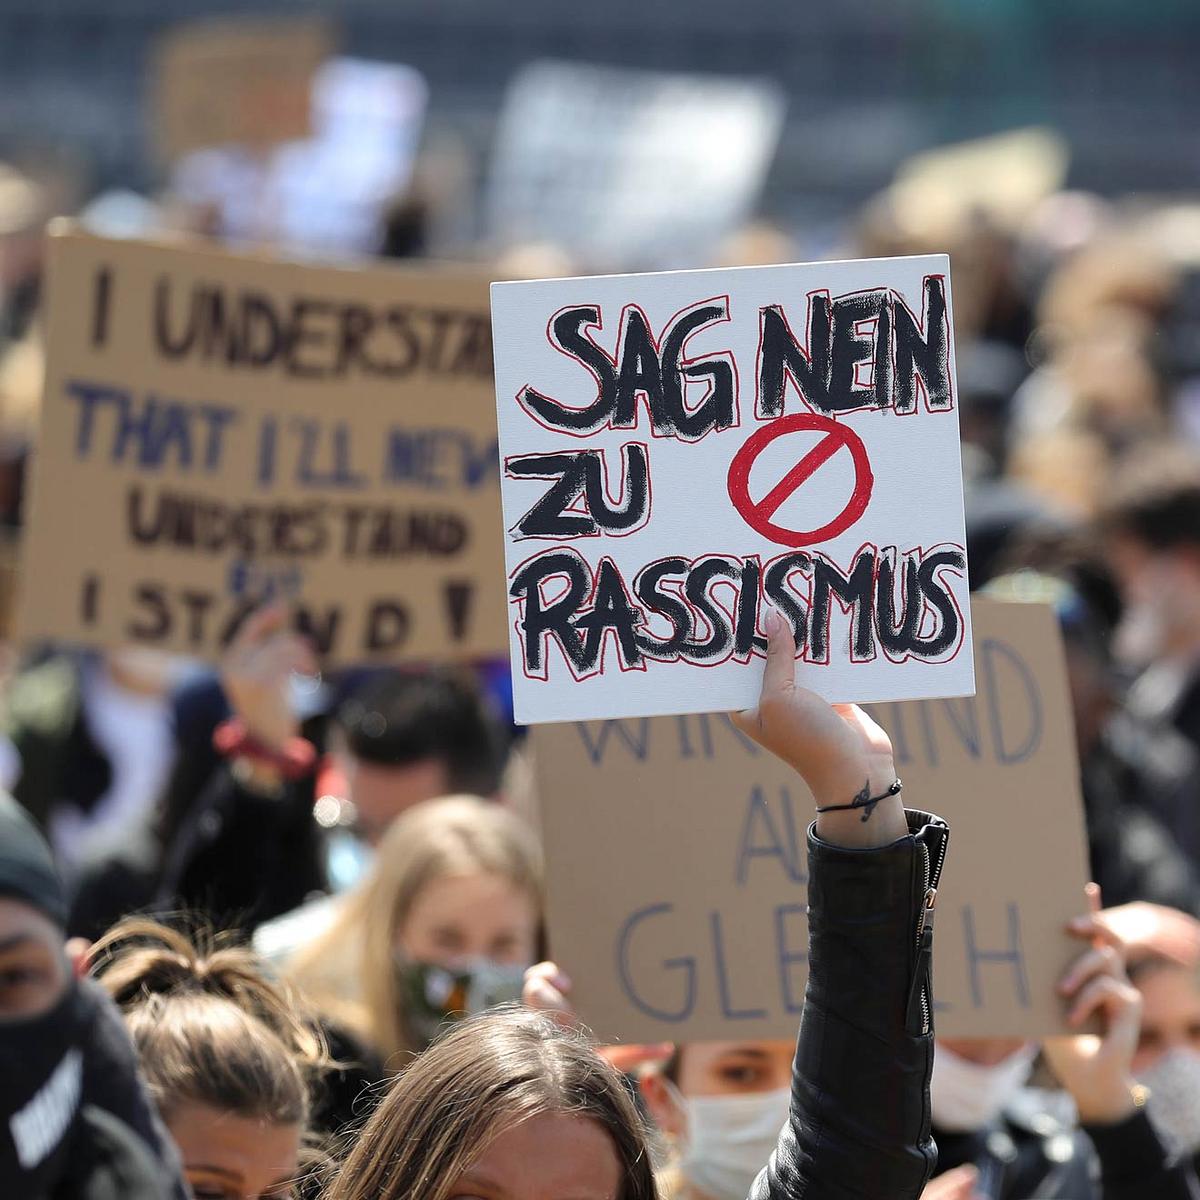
(269, 933)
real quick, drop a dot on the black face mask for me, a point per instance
(41, 1087)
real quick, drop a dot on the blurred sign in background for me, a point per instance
(868, 82)
(325, 193)
(629, 167)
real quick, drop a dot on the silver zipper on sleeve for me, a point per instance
(931, 876)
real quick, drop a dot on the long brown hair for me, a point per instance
(347, 972)
(208, 1026)
(486, 1075)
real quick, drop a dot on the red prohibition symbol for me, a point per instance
(758, 514)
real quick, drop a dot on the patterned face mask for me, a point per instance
(1174, 1104)
(433, 995)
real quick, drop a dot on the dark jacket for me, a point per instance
(120, 1149)
(1140, 797)
(237, 859)
(1161, 776)
(109, 1162)
(1033, 1149)
(1162, 696)
(213, 849)
(1134, 1163)
(60, 760)
(859, 1124)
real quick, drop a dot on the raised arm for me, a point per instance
(859, 1122)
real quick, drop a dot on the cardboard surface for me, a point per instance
(681, 449)
(230, 80)
(618, 166)
(219, 428)
(676, 858)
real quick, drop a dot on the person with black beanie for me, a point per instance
(75, 1120)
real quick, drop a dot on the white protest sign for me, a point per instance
(334, 187)
(681, 451)
(325, 194)
(629, 167)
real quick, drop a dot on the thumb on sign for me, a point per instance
(838, 750)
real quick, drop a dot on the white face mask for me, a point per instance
(966, 1096)
(1140, 635)
(1174, 1104)
(730, 1138)
(1165, 611)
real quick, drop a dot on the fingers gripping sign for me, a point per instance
(837, 749)
(1097, 1068)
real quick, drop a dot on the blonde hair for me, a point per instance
(347, 972)
(485, 1076)
(208, 1026)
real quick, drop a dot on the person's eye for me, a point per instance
(504, 947)
(742, 1076)
(1194, 1033)
(20, 976)
(18, 980)
(211, 1191)
(448, 939)
(1149, 1039)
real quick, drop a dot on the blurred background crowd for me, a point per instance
(1048, 147)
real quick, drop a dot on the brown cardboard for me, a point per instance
(676, 867)
(367, 493)
(232, 80)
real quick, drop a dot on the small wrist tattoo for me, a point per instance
(864, 800)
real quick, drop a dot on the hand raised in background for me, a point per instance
(255, 671)
(1097, 1069)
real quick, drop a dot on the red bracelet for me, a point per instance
(296, 759)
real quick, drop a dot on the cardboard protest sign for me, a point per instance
(682, 450)
(676, 860)
(219, 429)
(629, 167)
(233, 80)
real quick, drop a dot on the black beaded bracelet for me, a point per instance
(864, 800)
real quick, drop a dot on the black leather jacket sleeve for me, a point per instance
(859, 1122)
(1135, 1165)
